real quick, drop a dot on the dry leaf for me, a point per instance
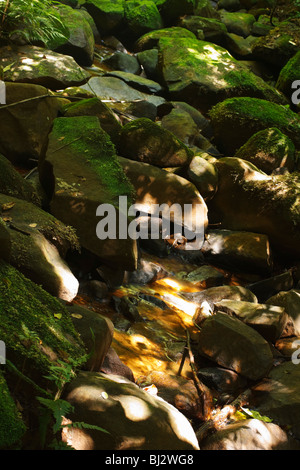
(7, 206)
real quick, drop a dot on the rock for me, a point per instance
(12, 428)
(205, 8)
(151, 40)
(112, 365)
(128, 307)
(172, 10)
(107, 14)
(203, 174)
(112, 88)
(231, 118)
(131, 110)
(24, 128)
(245, 251)
(122, 61)
(95, 107)
(216, 294)
(268, 320)
(39, 243)
(80, 44)
(36, 329)
(239, 47)
(279, 45)
(250, 434)
(234, 345)
(155, 186)
(81, 173)
(290, 301)
(13, 184)
(205, 276)
(202, 74)
(140, 83)
(288, 346)
(268, 149)
(146, 272)
(237, 22)
(258, 199)
(142, 16)
(288, 74)
(202, 123)
(96, 333)
(134, 419)
(177, 391)
(145, 141)
(278, 396)
(181, 124)
(214, 30)
(272, 285)
(35, 65)
(149, 60)
(93, 288)
(222, 380)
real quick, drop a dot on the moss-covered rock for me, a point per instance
(288, 74)
(80, 171)
(142, 16)
(95, 107)
(202, 74)
(150, 40)
(12, 427)
(213, 29)
(80, 43)
(279, 45)
(107, 14)
(237, 22)
(269, 149)
(145, 141)
(35, 327)
(204, 8)
(235, 120)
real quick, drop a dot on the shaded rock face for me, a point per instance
(129, 414)
(100, 179)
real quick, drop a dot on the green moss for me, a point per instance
(151, 39)
(12, 427)
(35, 326)
(142, 16)
(289, 73)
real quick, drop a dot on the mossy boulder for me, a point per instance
(140, 83)
(36, 328)
(235, 120)
(12, 428)
(107, 14)
(95, 107)
(142, 16)
(181, 124)
(249, 200)
(147, 142)
(79, 172)
(36, 65)
(213, 29)
(288, 74)
(237, 22)
(269, 149)
(205, 8)
(203, 174)
(150, 40)
(24, 128)
(38, 246)
(202, 74)
(80, 43)
(279, 45)
(123, 61)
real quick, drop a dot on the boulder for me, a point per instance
(32, 64)
(140, 83)
(80, 172)
(237, 22)
(80, 43)
(155, 186)
(147, 142)
(235, 120)
(266, 287)
(288, 74)
(234, 345)
(202, 74)
(216, 294)
(213, 30)
(204, 276)
(24, 127)
(250, 434)
(278, 396)
(107, 14)
(268, 149)
(131, 418)
(151, 40)
(181, 124)
(142, 16)
(242, 251)
(38, 245)
(249, 200)
(268, 320)
(122, 61)
(203, 174)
